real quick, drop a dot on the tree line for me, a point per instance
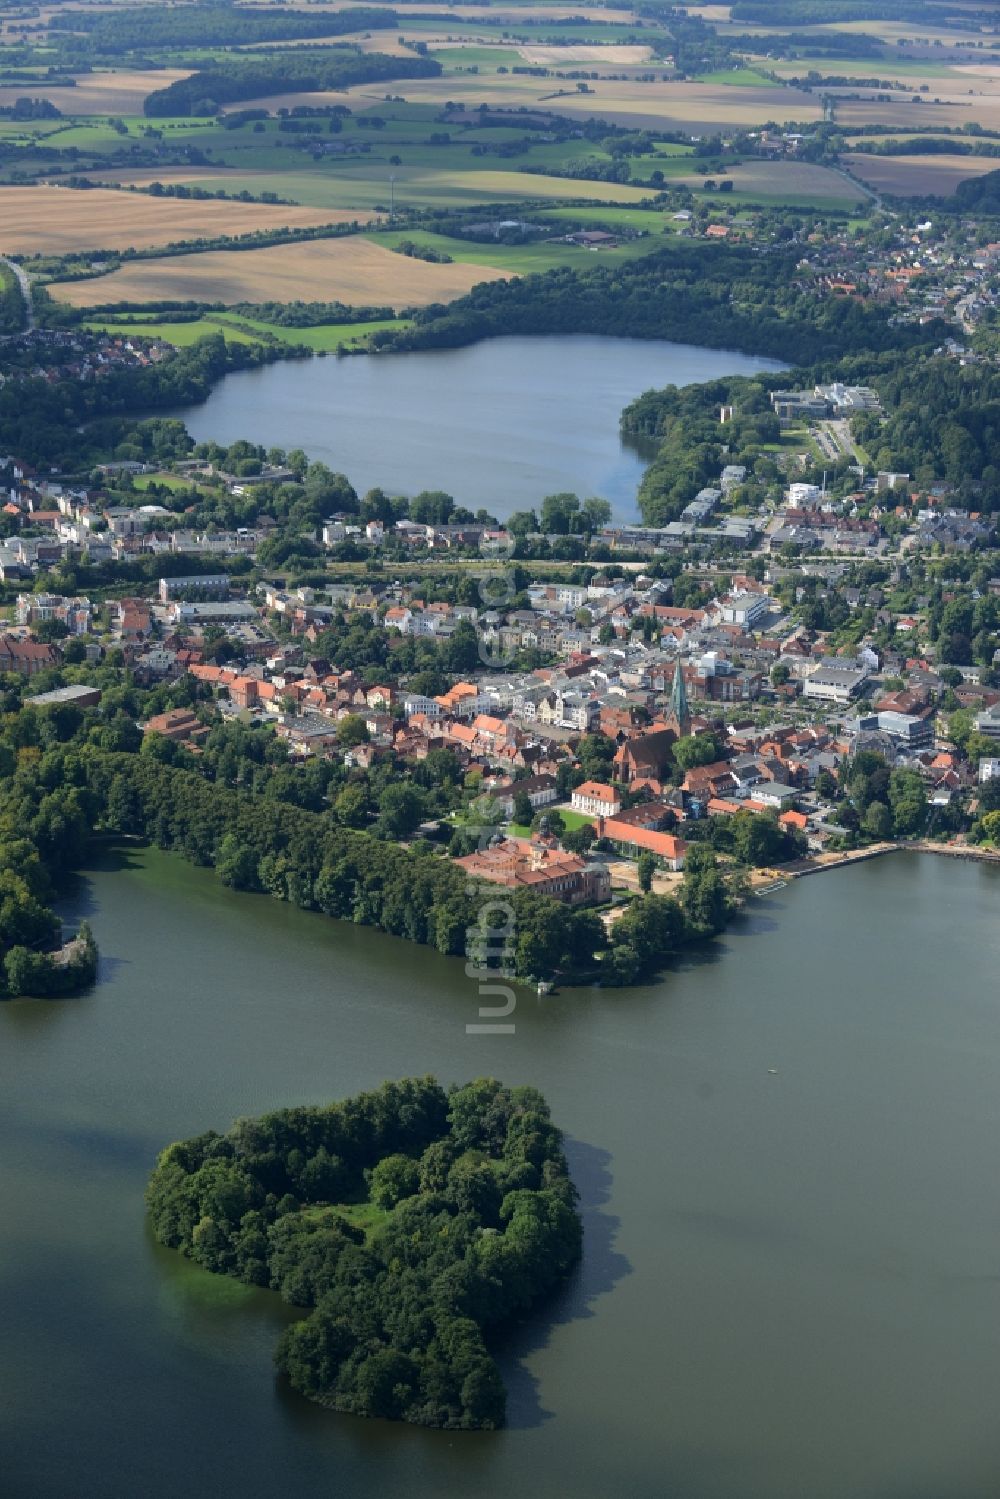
(12, 310)
(719, 296)
(46, 815)
(141, 30)
(291, 72)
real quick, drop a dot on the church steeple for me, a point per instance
(679, 701)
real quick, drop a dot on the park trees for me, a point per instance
(694, 750)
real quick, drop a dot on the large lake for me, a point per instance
(788, 1152)
(500, 424)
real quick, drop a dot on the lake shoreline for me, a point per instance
(443, 418)
(752, 1132)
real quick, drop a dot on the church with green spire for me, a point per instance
(678, 714)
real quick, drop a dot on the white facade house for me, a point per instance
(596, 799)
(416, 702)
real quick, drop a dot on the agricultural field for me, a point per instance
(739, 78)
(59, 220)
(939, 111)
(99, 93)
(365, 188)
(624, 55)
(932, 176)
(670, 105)
(355, 271)
(796, 183)
(436, 143)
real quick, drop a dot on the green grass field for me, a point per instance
(521, 260)
(364, 1215)
(324, 339)
(144, 482)
(327, 338)
(181, 335)
(654, 220)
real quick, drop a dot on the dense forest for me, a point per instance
(46, 814)
(144, 29)
(290, 72)
(467, 1219)
(980, 195)
(942, 425)
(834, 12)
(718, 296)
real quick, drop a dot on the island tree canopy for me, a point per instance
(408, 1221)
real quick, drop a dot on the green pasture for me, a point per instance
(520, 260)
(181, 335)
(327, 338)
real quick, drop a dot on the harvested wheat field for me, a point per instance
(99, 93)
(919, 176)
(498, 16)
(323, 100)
(354, 270)
(697, 106)
(58, 220)
(622, 57)
(953, 111)
(784, 179)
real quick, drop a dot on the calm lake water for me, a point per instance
(791, 1281)
(500, 424)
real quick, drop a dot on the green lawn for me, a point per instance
(572, 821)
